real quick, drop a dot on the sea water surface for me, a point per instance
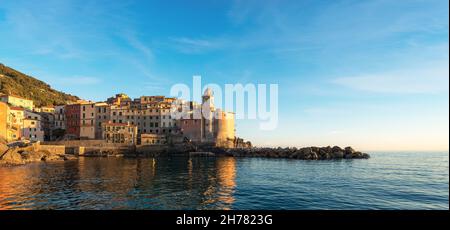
(386, 181)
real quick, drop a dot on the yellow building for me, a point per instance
(15, 123)
(121, 133)
(4, 111)
(17, 101)
(153, 139)
(45, 109)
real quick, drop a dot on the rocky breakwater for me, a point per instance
(307, 153)
(21, 155)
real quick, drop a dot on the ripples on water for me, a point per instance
(386, 181)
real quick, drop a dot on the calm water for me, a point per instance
(386, 181)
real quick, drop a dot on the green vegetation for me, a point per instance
(16, 83)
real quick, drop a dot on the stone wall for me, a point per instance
(84, 143)
(54, 149)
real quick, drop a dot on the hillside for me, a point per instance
(19, 84)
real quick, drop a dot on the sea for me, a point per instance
(386, 181)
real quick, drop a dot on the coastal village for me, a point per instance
(121, 126)
(119, 120)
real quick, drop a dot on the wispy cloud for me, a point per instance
(140, 46)
(195, 45)
(413, 80)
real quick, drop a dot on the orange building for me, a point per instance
(4, 110)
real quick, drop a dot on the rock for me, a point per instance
(349, 150)
(47, 156)
(12, 157)
(336, 149)
(338, 155)
(31, 156)
(3, 148)
(307, 151)
(348, 156)
(67, 157)
(357, 155)
(315, 149)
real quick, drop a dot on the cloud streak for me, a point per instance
(434, 79)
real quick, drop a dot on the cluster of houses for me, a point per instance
(142, 121)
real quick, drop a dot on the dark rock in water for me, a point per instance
(314, 156)
(338, 155)
(348, 156)
(336, 149)
(349, 150)
(306, 153)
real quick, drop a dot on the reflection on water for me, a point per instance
(386, 181)
(121, 183)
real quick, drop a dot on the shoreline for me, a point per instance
(36, 152)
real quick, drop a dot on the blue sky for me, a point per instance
(372, 74)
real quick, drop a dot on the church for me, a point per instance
(214, 126)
